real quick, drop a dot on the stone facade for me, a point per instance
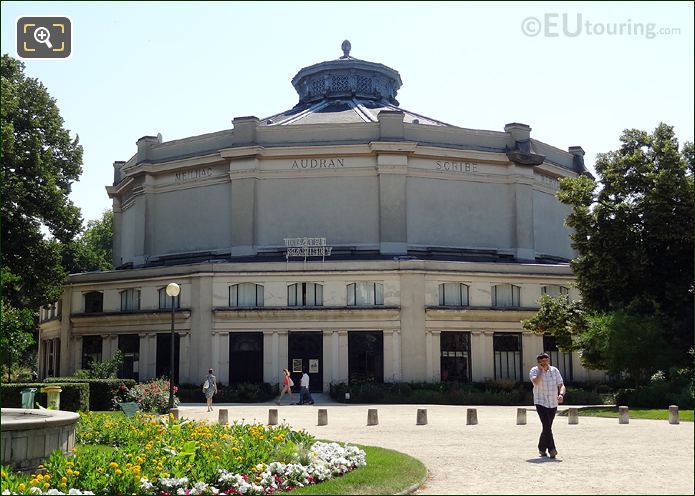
(413, 209)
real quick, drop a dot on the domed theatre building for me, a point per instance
(346, 235)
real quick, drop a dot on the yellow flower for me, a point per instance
(33, 482)
(69, 464)
(41, 466)
(39, 477)
(64, 480)
(100, 470)
(22, 487)
(70, 471)
(113, 465)
(46, 485)
(119, 471)
(76, 472)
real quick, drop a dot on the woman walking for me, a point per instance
(210, 388)
(287, 384)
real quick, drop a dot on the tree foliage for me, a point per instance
(15, 335)
(39, 163)
(633, 233)
(92, 250)
(559, 317)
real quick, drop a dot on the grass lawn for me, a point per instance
(635, 413)
(387, 472)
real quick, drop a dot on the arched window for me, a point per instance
(554, 290)
(245, 295)
(94, 302)
(304, 294)
(453, 294)
(506, 295)
(365, 293)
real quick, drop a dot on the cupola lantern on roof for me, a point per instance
(347, 77)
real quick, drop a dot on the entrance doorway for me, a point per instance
(365, 356)
(305, 352)
(246, 357)
(129, 344)
(163, 365)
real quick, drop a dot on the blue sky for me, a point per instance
(184, 68)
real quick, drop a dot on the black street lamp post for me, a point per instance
(173, 290)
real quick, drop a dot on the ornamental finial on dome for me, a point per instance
(346, 46)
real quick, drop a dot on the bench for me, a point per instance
(129, 408)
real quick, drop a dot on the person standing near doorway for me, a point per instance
(210, 388)
(304, 393)
(548, 392)
(287, 384)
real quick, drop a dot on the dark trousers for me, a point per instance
(305, 396)
(547, 415)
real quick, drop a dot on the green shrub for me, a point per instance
(232, 393)
(101, 391)
(73, 398)
(657, 395)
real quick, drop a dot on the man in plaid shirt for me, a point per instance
(548, 392)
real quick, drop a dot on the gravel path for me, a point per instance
(597, 456)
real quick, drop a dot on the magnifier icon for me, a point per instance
(43, 35)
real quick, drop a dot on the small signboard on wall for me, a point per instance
(314, 366)
(297, 365)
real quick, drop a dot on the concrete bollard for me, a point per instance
(421, 416)
(521, 416)
(372, 417)
(323, 416)
(273, 416)
(573, 416)
(223, 416)
(673, 415)
(471, 416)
(623, 415)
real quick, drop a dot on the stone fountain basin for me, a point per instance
(30, 436)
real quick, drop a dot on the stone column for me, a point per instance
(275, 365)
(42, 368)
(283, 348)
(343, 356)
(397, 370)
(413, 326)
(531, 346)
(477, 348)
(436, 354)
(151, 358)
(143, 372)
(223, 345)
(76, 352)
(185, 358)
(429, 368)
(388, 354)
(335, 356)
(270, 374)
(488, 356)
(65, 332)
(327, 360)
(392, 170)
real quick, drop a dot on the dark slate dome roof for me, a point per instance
(345, 90)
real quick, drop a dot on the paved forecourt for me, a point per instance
(597, 456)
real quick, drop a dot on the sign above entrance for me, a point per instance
(307, 247)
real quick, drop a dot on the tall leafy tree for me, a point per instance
(39, 163)
(633, 232)
(92, 250)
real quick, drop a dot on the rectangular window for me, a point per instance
(506, 295)
(246, 295)
(305, 294)
(365, 293)
(130, 300)
(455, 356)
(507, 355)
(129, 344)
(453, 294)
(165, 300)
(91, 350)
(365, 356)
(559, 359)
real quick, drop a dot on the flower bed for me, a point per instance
(149, 454)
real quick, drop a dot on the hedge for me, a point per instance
(232, 393)
(73, 398)
(101, 391)
(658, 395)
(487, 393)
